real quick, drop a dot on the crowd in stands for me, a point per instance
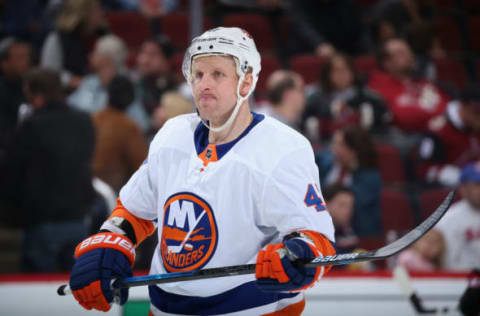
(385, 90)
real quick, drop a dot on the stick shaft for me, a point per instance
(339, 259)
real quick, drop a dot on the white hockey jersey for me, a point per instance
(219, 205)
(461, 231)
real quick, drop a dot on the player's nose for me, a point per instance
(206, 83)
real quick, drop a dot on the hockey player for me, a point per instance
(224, 187)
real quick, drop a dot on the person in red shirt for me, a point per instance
(453, 140)
(412, 100)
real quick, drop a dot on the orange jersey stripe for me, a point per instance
(291, 310)
(142, 227)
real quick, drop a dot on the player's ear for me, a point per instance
(246, 84)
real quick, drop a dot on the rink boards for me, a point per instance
(339, 293)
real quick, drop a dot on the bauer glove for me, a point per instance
(101, 258)
(276, 270)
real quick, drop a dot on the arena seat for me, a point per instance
(176, 27)
(397, 214)
(269, 65)
(364, 64)
(430, 199)
(308, 66)
(257, 25)
(451, 71)
(391, 165)
(131, 26)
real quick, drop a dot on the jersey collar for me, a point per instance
(201, 137)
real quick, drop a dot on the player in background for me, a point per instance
(223, 187)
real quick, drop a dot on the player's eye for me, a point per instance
(198, 75)
(218, 74)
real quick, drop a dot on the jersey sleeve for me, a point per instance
(292, 200)
(139, 194)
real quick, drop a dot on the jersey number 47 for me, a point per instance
(313, 198)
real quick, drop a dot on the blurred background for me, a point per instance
(387, 91)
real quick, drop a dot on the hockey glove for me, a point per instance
(276, 271)
(101, 258)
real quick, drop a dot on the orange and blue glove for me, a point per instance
(101, 259)
(276, 270)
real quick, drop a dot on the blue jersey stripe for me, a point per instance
(242, 297)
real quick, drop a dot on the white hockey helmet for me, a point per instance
(231, 41)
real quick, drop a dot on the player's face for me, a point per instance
(151, 60)
(341, 75)
(341, 208)
(401, 58)
(343, 154)
(214, 85)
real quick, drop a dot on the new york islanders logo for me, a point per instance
(189, 234)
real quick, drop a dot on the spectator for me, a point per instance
(66, 49)
(120, 146)
(107, 60)
(413, 20)
(340, 202)
(424, 255)
(286, 96)
(47, 176)
(352, 161)
(154, 73)
(341, 99)
(460, 227)
(171, 104)
(326, 26)
(452, 140)
(413, 101)
(15, 60)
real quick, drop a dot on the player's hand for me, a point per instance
(101, 258)
(276, 271)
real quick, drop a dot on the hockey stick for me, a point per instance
(400, 275)
(339, 259)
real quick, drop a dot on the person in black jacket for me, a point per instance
(15, 61)
(47, 183)
(340, 98)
